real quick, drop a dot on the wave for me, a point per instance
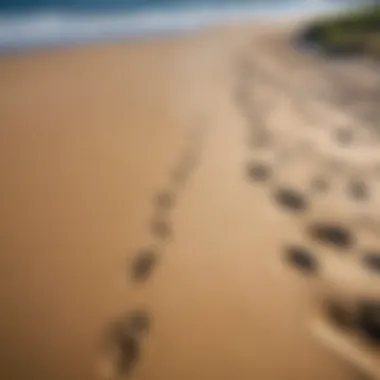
(18, 31)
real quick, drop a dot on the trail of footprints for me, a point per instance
(338, 202)
(122, 343)
(123, 340)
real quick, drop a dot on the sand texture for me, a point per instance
(148, 193)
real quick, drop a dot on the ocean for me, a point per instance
(28, 23)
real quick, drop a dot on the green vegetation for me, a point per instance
(355, 32)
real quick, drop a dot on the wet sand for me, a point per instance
(90, 139)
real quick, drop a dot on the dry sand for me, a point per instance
(89, 137)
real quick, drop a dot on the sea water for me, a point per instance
(27, 23)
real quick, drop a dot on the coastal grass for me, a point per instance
(356, 32)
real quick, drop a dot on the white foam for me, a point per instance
(61, 28)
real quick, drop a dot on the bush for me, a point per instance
(356, 32)
(372, 46)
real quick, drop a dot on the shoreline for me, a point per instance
(50, 30)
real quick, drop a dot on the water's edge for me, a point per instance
(52, 29)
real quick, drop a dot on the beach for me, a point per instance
(110, 151)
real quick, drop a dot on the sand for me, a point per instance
(90, 137)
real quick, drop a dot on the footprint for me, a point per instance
(188, 162)
(143, 265)
(164, 200)
(369, 321)
(358, 190)
(259, 172)
(161, 229)
(121, 343)
(339, 315)
(337, 166)
(301, 258)
(122, 351)
(371, 261)
(179, 176)
(344, 136)
(335, 235)
(291, 199)
(319, 185)
(138, 322)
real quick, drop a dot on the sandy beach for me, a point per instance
(129, 185)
